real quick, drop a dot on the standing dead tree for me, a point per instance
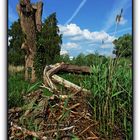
(30, 20)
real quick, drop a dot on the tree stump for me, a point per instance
(30, 20)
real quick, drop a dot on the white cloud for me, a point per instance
(71, 57)
(77, 40)
(9, 38)
(75, 33)
(104, 46)
(123, 21)
(70, 45)
(70, 30)
(90, 51)
(64, 52)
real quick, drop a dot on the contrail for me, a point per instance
(76, 11)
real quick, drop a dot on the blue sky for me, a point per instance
(85, 23)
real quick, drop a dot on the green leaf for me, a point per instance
(117, 93)
(47, 93)
(33, 87)
(75, 139)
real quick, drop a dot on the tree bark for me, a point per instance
(73, 68)
(50, 79)
(30, 20)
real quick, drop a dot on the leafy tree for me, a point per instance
(48, 44)
(123, 46)
(89, 59)
(15, 54)
(80, 59)
(63, 58)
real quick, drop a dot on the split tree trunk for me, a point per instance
(30, 20)
(73, 68)
(50, 78)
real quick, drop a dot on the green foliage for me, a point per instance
(80, 59)
(48, 44)
(15, 54)
(47, 93)
(62, 58)
(17, 87)
(33, 87)
(87, 60)
(111, 86)
(123, 46)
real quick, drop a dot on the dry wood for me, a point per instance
(74, 106)
(30, 133)
(64, 129)
(39, 135)
(86, 129)
(93, 138)
(68, 84)
(73, 112)
(76, 69)
(49, 77)
(15, 109)
(73, 68)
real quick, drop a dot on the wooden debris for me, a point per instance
(39, 135)
(68, 85)
(93, 138)
(74, 106)
(86, 129)
(15, 109)
(50, 79)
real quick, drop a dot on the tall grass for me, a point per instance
(111, 86)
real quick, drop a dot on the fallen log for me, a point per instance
(50, 79)
(72, 68)
(76, 69)
(68, 85)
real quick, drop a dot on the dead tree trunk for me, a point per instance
(30, 20)
(50, 79)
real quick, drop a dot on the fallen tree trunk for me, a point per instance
(67, 84)
(73, 68)
(50, 79)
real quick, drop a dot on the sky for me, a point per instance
(88, 26)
